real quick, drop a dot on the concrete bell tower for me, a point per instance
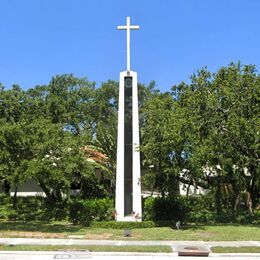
(128, 173)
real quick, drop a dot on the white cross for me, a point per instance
(128, 27)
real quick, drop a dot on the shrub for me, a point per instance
(32, 209)
(166, 209)
(122, 225)
(148, 208)
(131, 225)
(200, 209)
(201, 216)
(55, 211)
(246, 218)
(99, 212)
(84, 211)
(29, 208)
(6, 210)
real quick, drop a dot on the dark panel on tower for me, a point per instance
(128, 167)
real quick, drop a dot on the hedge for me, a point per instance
(131, 225)
(100, 212)
(85, 211)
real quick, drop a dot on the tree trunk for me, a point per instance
(218, 198)
(47, 192)
(58, 194)
(249, 203)
(15, 196)
(188, 190)
(251, 190)
(237, 203)
(6, 187)
(236, 192)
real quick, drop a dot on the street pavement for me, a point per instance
(36, 255)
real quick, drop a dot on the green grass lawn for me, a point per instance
(190, 232)
(246, 249)
(153, 249)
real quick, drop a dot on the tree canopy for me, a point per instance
(203, 133)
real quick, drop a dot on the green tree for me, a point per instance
(58, 161)
(15, 140)
(221, 111)
(157, 148)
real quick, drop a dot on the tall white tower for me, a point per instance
(128, 173)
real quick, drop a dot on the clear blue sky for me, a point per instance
(40, 39)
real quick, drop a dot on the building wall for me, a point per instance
(29, 188)
(192, 190)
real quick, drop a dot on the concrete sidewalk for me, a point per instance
(39, 241)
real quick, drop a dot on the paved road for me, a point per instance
(116, 256)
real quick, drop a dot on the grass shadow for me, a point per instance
(45, 227)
